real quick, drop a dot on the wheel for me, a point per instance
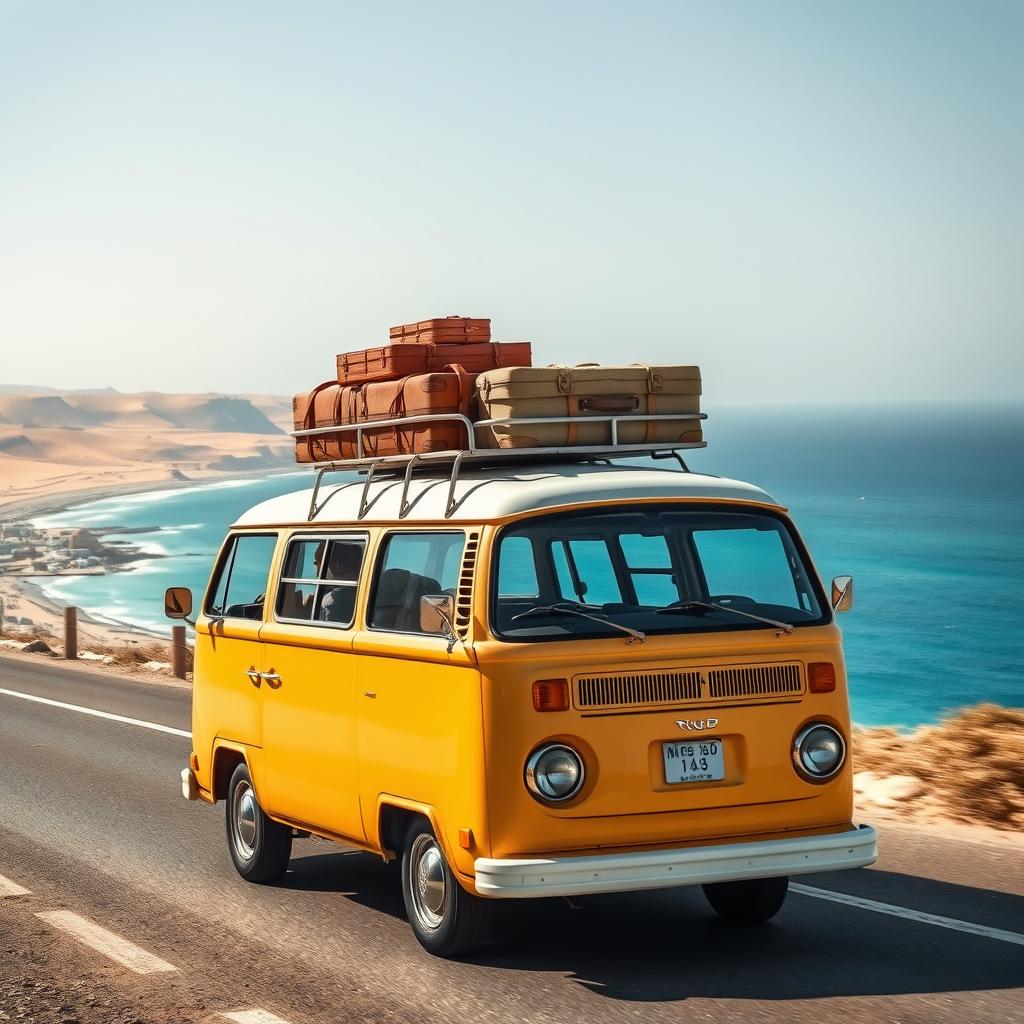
(445, 918)
(751, 901)
(259, 847)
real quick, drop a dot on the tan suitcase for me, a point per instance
(586, 391)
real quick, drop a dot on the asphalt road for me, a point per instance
(92, 823)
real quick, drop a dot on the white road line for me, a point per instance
(256, 1016)
(92, 935)
(9, 888)
(96, 714)
(919, 916)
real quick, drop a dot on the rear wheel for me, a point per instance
(445, 918)
(750, 901)
(259, 847)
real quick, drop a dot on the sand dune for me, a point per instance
(55, 442)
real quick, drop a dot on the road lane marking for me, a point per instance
(110, 945)
(256, 1016)
(96, 714)
(919, 916)
(9, 888)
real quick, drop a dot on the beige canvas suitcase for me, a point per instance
(582, 392)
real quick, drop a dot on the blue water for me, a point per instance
(924, 507)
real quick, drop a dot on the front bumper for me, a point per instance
(659, 869)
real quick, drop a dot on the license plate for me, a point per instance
(694, 761)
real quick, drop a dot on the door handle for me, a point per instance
(369, 693)
(254, 676)
(272, 677)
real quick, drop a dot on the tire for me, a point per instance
(751, 901)
(260, 848)
(447, 920)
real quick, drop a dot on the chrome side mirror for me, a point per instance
(177, 603)
(436, 612)
(842, 593)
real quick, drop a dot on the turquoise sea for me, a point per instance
(923, 505)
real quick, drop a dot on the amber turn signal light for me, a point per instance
(821, 677)
(551, 695)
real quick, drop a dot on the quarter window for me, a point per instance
(320, 579)
(414, 566)
(241, 582)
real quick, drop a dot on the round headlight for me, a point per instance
(554, 772)
(818, 752)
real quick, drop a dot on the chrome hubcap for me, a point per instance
(428, 884)
(243, 817)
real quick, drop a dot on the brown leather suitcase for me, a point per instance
(454, 330)
(586, 391)
(332, 404)
(327, 405)
(393, 362)
(446, 391)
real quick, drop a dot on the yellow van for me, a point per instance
(527, 680)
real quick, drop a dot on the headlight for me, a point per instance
(818, 752)
(554, 772)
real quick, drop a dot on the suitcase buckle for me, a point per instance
(564, 382)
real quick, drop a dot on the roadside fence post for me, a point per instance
(179, 651)
(71, 633)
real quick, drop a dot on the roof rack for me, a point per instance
(475, 455)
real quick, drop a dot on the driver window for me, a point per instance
(747, 563)
(413, 566)
(241, 584)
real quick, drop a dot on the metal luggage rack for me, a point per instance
(477, 456)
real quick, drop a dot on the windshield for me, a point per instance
(656, 570)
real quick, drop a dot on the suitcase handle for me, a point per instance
(609, 403)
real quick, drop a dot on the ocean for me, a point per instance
(923, 505)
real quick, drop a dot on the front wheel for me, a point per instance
(445, 918)
(259, 846)
(750, 901)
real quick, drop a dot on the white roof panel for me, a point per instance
(485, 495)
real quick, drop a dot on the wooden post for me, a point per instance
(71, 633)
(179, 651)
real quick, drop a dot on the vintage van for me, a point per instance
(525, 680)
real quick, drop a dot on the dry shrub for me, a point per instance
(972, 762)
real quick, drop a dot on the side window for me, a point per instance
(585, 571)
(650, 568)
(241, 583)
(320, 579)
(517, 572)
(413, 566)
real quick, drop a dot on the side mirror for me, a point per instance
(437, 612)
(177, 602)
(842, 593)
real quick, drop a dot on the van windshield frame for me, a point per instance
(632, 563)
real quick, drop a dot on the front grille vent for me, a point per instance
(638, 688)
(755, 681)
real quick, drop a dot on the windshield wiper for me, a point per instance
(682, 607)
(567, 608)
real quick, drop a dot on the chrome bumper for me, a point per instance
(659, 869)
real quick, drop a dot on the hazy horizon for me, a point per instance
(815, 204)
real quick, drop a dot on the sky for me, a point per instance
(816, 202)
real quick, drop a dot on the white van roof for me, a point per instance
(486, 495)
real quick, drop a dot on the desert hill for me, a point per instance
(52, 441)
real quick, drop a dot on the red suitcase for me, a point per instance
(457, 330)
(332, 404)
(393, 362)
